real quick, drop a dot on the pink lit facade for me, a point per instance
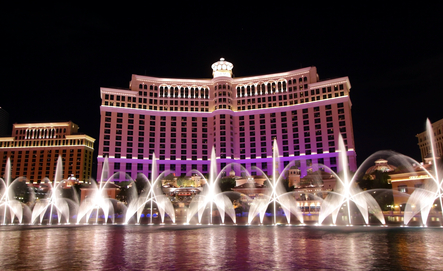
(179, 120)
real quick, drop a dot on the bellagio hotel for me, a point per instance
(180, 120)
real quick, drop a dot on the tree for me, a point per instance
(140, 184)
(380, 182)
(227, 183)
(127, 191)
(185, 181)
(21, 191)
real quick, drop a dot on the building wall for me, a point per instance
(34, 149)
(423, 140)
(181, 119)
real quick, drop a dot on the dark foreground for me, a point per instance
(117, 247)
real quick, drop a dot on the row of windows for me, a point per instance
(285, 97)
(284, 123)
(160, 108)
(262, 104)
(140, 167)
(261, 89)
(264, 165)
(175, 92)
(184, 167)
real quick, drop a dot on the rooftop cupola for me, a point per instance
(222, 68)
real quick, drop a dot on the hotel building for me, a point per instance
(34, 149)
(423, 141)
(180, 120)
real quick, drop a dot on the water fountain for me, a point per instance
(276, 195)
(98, 199)
(152, 193)
(7, 199)
(210, 195)
(345, 192)
(53, 200)
(423, 198)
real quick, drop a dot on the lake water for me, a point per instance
(117, 247)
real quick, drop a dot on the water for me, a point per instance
(219, 248)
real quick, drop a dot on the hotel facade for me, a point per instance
(424, 141)
(34, 148)
(181, 120)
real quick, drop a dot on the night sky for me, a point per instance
(56, 58)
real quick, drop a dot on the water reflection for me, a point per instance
(215, 248)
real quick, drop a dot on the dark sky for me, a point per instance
(56, 58)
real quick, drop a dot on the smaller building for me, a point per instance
(251, 188)
(312, 189)
(405, 182)
(34, 148)
(294, 177)
(381, 165)
(423, 140)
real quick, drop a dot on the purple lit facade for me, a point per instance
(181, 119)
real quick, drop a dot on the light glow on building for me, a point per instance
(181, 119)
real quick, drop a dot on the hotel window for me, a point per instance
(403, 188)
